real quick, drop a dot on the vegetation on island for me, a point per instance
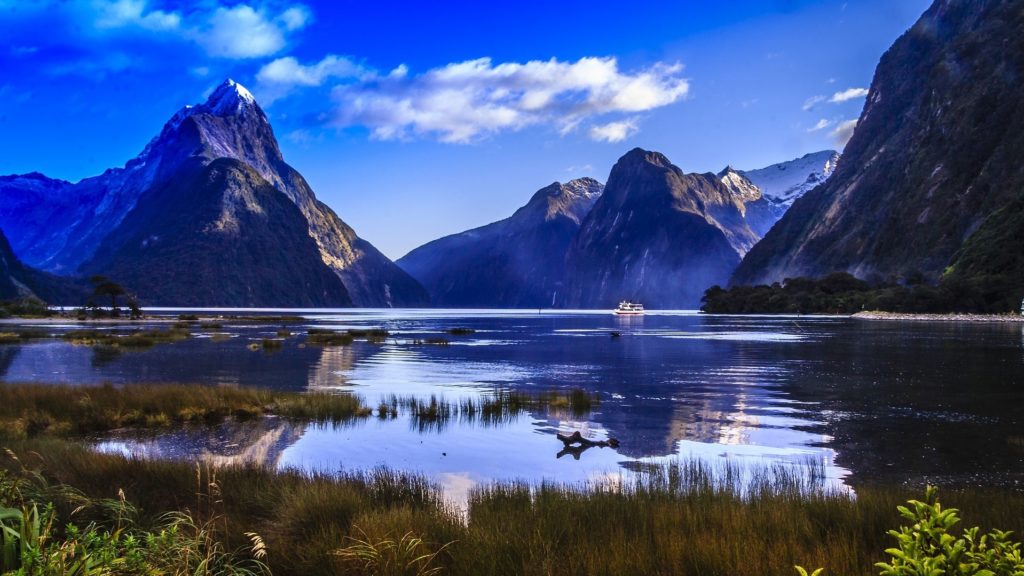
(842, 293)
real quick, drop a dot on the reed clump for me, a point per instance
(30, 410)
(461, 331)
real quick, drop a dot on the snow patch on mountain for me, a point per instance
(786, 181)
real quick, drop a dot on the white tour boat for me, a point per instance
(627, 308)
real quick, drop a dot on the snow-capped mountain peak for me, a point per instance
(786, 181)
(739, 185)
(229, 98)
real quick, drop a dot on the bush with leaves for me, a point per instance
(929, 546)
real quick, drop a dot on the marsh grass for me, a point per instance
(684, 519)
(132, 339)
(28, 410)
(327, 337)
(435, 412)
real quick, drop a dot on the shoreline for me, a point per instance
(946, 317)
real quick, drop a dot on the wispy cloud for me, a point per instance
(811, 102)
(135, 13)
(464, 101)
(614, 131)
(848, 94)
(289, 72)
(842, 133)
(220, 28)
(821, 125)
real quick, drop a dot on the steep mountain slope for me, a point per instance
(935, 153)
(230, 124)
(218, 235)
(19, 281)
(656, 235)
(517, 262)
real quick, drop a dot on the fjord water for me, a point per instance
(861, 401)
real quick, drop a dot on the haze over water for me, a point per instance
(865, 401)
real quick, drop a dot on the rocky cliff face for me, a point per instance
(656, 235)
(84, 223)
(935, 154)
(518, 262)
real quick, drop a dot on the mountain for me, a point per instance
(98, 225)
(656, 235)
(19, 281)
(784, 182)
(517, 262)
(932, 175)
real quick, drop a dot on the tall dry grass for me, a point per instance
(686, 519)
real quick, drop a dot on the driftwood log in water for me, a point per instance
(576, 444)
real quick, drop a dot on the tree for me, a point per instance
(104, 287)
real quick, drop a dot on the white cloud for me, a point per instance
(463, 101)
(811, 102)
(614, 131)
(134, 13)
(295, 18)
(821, 125)
(240, 32)
(848, 94)
(842, 133)
(289, 72)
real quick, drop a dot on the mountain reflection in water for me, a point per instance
(866, 401)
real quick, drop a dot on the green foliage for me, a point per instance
(929, 547)
(32, 545)
(842, 293)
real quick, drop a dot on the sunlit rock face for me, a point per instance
(136, 211)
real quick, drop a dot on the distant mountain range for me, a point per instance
(654, 234)
(928, 189)
(931, 185)
(517, 262)
(208, 214)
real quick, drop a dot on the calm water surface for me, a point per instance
(867, 401)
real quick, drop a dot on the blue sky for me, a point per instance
(416, 120)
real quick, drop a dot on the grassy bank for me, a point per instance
(28, 410)
(680, 520)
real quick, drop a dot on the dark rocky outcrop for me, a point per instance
(518, 262)
(932, 175)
